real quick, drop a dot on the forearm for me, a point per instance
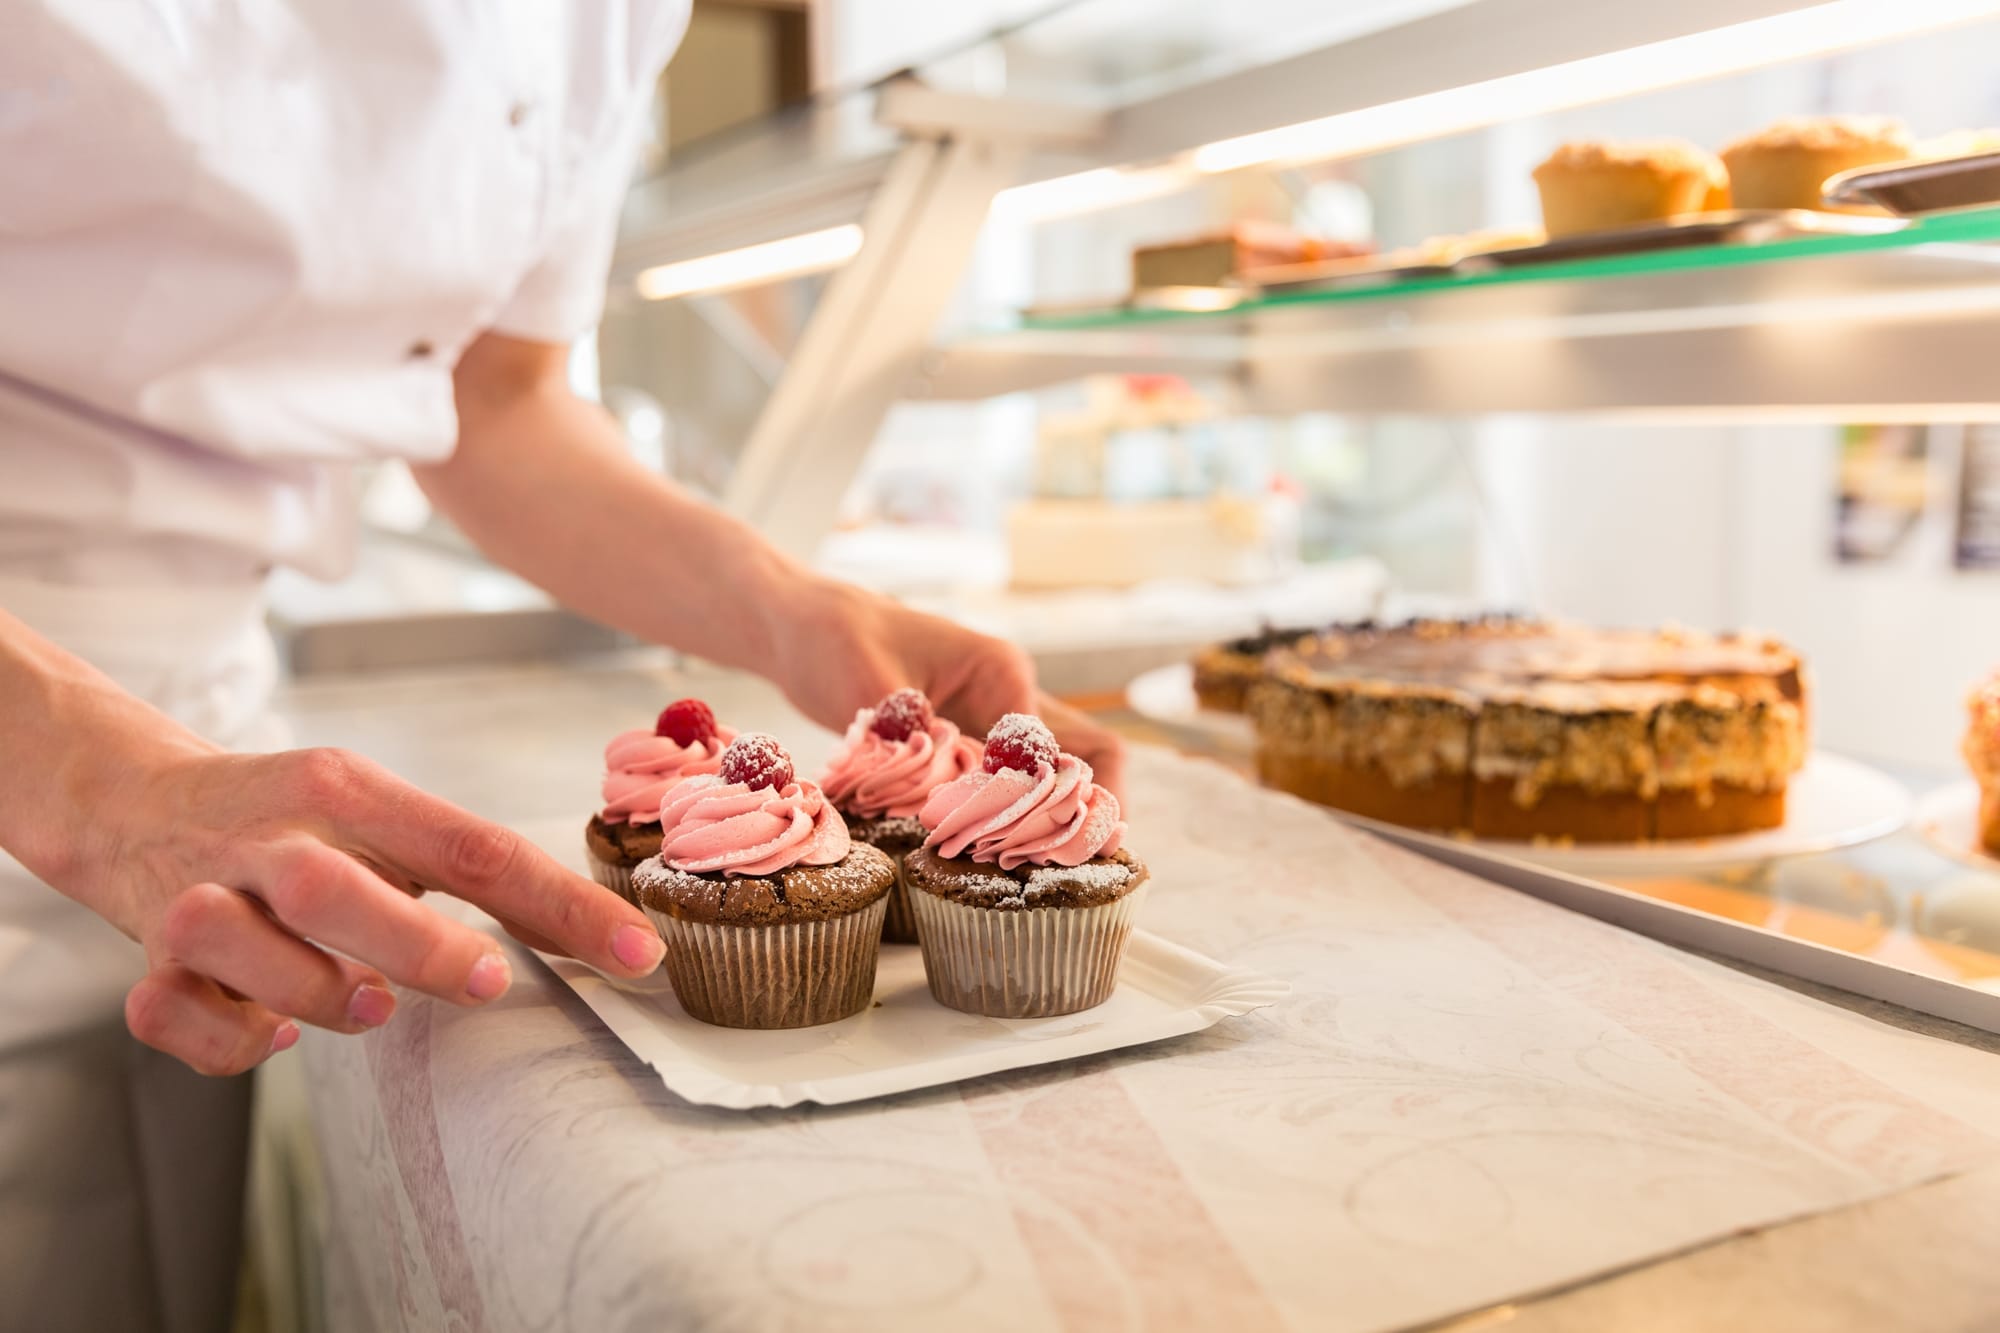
(74, 743)
(542, 483)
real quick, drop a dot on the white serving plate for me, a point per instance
(908, 1040)
(1166, 695)
(1834, 802)
(1948, 819)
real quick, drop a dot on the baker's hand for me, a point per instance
(281, 887)
(841, 648)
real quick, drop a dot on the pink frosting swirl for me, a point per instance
(877, 778)
(708, 825)
(640, 768)
(1054, 816)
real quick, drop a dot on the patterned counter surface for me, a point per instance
(1469, 1099)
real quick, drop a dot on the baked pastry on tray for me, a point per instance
(1590, 184)
(1521, 729)
(1023, 891)
(892, 758)
(640, 767)
(771, 913)
(1786, 165)
(1982, 755)
(1224, 672)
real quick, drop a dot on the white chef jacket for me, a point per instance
(242, 245)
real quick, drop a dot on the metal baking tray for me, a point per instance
(1739, 227)
(1921, 187)
(1323, 275)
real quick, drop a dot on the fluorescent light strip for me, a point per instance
(1801, 34)
(813, 252)
(1087, 192)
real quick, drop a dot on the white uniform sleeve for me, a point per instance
(561, 297)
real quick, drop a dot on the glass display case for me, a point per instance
(1016, 172)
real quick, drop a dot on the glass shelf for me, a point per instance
(1948, 249)
(1898, 325)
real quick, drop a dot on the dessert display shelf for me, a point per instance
(1896, 318)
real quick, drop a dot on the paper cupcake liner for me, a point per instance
(1032, 964)
(790, 976)
(618, 879)
(900, 926)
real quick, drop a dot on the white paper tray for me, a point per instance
(908, 1040)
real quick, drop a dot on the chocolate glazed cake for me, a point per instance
(1515, 729)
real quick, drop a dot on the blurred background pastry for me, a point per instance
(1786, 164)
(1210, 261)
(1591, 184)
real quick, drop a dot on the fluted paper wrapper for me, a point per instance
(900, 926)
(1031, 964)
(618, 879)
(790, 976)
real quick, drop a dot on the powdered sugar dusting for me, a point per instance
(1021, 742)
(1090, 875)
(1022, 728)
(902, 715)
(757, 760)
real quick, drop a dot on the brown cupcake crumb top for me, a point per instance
(1100, 880)
(622, 844)
(796, 893)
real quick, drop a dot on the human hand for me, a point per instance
(841, 648)
(273, 888)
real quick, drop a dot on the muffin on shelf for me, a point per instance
(1023, 892)
(639, 769)
(1981, 748)
(892, 758)
(1785, 165)
(1591, 184)
(772, 915)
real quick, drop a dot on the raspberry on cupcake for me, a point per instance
(1023, 893)
(772, 915)
(640, 767)
(892, 758)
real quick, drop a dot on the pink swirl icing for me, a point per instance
(708, 825)
(1056, 816)
(640, 768)
(877, 778)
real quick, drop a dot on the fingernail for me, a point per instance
(286, 1037)
(490, 977)
(370, 1006)
(638, 947)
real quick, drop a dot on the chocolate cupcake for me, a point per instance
(772, 915)
(1023, 894)
(640, 767)
(893, 757)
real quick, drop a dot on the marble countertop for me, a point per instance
(516, 1168)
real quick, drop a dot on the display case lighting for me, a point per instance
(792, 257)
(1739, 47)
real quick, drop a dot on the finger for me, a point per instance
(1090, 741)
(333, 900)
(433, 842)
(226, 936)
(530, 938)
(184, 1014)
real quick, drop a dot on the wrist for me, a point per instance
(106, 759)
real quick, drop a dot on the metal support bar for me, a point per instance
(869, 334)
